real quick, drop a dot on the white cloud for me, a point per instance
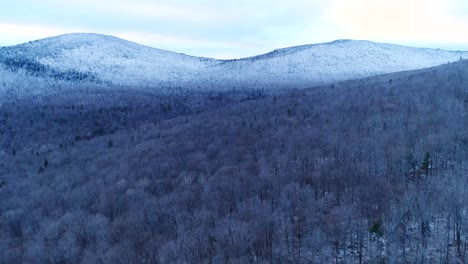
(401, 20)
(171, 13)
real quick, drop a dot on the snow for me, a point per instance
(125, 63)
(336, 61)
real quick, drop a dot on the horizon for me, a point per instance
(237, 29)
(248, 56)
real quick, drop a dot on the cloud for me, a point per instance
(401, 20)
(239, 27)
(152, 11)
(216, 28)
(217, 19)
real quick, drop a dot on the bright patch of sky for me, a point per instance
(240, 28)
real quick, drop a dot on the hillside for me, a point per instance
(340, 60)
(111, 61)
(363, 171)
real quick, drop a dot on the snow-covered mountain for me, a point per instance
(336, 61)
(110, 60)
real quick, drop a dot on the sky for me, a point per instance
(239, 28)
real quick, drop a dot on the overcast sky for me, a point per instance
(239, 28)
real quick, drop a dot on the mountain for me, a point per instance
(110, 60)
(336, 61)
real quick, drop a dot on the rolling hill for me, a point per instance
(111, 61)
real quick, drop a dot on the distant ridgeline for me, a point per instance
(31, 66)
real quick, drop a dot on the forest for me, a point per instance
(371, 170)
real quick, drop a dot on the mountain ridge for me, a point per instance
(75, 36)
(118, 62)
